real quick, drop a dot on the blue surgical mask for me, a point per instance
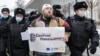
(19, 19)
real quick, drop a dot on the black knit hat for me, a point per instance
(19, 11)
(79, 5)
(56, 7)
(34, 12)
(5, 9)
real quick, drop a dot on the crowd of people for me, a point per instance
(79, 30)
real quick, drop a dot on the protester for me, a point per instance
(48, 20)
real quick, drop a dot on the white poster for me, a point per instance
(25, 35)
(46, 39)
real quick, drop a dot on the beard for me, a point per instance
(47, 16)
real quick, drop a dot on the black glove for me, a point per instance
(93, 49)
(24, 28)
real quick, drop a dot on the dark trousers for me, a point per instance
(47, 54)
(20, 50)
(3, 47)
(76, 51)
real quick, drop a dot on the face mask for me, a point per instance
(81, 13)
(5, 16)
(18, 19)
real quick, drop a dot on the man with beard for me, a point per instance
(82, 30)
(57, 11)
(4, 31)
(48, 20)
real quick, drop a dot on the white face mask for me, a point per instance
(81, 13)
(5, 16)
(18, 19)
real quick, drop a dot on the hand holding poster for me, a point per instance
(46, 39)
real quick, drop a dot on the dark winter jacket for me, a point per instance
(82, 29)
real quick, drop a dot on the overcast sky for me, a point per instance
(11, 4)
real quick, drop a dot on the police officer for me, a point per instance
(17, 25)
(33, 15)
(6, 14)
(82, 29)
(57, 11)
(4, 31)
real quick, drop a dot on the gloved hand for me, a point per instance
(24, 28)
(93, 49)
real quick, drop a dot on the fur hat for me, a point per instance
(19, 11)
(5, 9)
(79, 5)
(56, 7)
